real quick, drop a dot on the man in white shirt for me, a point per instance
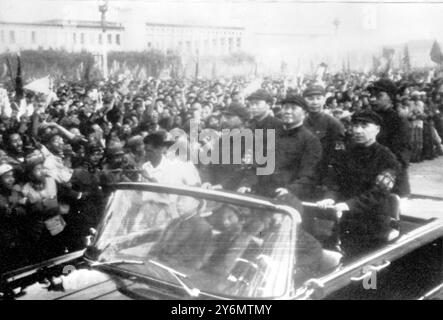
(162, 169)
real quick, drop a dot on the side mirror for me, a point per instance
(90, 238)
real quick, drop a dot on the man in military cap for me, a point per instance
(113, 169)
(136, 151)
(361, 184)
(394, 130)
(297, 154)
(260, 109)
(328, 129)
(232, 176)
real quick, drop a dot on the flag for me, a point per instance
(4, 72)
(320, 72)
(41, 85)
(435, 53)
(349, 64)
(88, 68)
(388, 55)
(9, 69)
(197, 67)
(142, 74)
(19, 93)
(375, 63)
(406, 62)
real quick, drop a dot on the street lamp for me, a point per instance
(103, 8)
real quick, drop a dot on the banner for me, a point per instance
(41, 85)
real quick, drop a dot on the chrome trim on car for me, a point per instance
(342, 277)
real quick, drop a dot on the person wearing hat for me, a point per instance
(136, 151)
(394, 130)
(46, 226)
(162, 169)
(232, 176)
(114, 167)
(260, 110)
(85, 196)
(52, 151)
(234, 117)
(360, 184)
(13, 244)
(297, 154)
(416, 116)
(13, 143)
(328, 129)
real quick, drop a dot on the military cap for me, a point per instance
(384, 85)
(366, 116)
(236, 109)
(34, 158)
(260, 94)
(314, 90)
(295, 99)
(134, 141)
(115, 149)
(158, 139)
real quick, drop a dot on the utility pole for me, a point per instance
(103, 8)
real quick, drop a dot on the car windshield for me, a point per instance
(198, 244)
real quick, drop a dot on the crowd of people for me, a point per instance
(60, 158)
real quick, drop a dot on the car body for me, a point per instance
(163, 242)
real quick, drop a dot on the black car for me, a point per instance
(162, 242)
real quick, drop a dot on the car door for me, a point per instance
(406, 268)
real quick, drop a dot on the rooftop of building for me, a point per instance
(67, 23)
(186, 25)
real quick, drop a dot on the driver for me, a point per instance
(360, 185)
(185, 240)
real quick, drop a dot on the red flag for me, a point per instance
(436, 54)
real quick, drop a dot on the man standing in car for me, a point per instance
(394, 130)
(298, 152)
(328, 129)
(360, 185)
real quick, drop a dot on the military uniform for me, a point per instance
(13, 243)
(395, 134)
(297, 154)
(331, 133)
(363, 178)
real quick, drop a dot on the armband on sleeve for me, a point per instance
(385, 181)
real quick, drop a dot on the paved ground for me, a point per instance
(426, 179)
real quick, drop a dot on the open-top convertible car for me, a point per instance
(163, 242)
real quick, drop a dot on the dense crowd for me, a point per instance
(60, 157)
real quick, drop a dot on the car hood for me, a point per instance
(83, 284)
(91, 284)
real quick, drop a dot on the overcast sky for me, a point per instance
(281, 25)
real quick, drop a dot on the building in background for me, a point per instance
(76, 36)
(194, 39)
(70, 35)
